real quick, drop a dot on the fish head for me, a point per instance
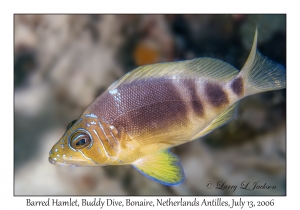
(78, 146)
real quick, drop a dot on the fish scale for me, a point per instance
(156, 107)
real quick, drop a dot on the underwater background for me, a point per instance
(63, 62)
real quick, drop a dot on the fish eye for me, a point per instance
(70, 124)
(80, 140)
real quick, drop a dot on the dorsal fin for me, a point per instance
(222, 119)
(197, 68)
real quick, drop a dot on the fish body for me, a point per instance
(156, 107)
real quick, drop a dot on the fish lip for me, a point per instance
(62, 164)
(52, 161)
(59, 163)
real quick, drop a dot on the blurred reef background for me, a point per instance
(63, 62)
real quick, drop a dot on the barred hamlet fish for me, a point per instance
(159, 106)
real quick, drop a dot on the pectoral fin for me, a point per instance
(163, 167)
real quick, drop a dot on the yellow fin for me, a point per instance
(197, 68)
(222, 119)
(163, 167)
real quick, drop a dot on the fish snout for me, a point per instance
(51, 161)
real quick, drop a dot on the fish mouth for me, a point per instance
(55, 162)
(52, 161)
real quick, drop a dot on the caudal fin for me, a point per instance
(261, 74)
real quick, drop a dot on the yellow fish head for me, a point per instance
(78, 146)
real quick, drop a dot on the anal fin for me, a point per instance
(222, 119)
(163, 167)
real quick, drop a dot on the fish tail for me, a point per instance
(259, 74)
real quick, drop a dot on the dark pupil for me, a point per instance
(81, 142)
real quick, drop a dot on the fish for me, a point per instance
(156, 107)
